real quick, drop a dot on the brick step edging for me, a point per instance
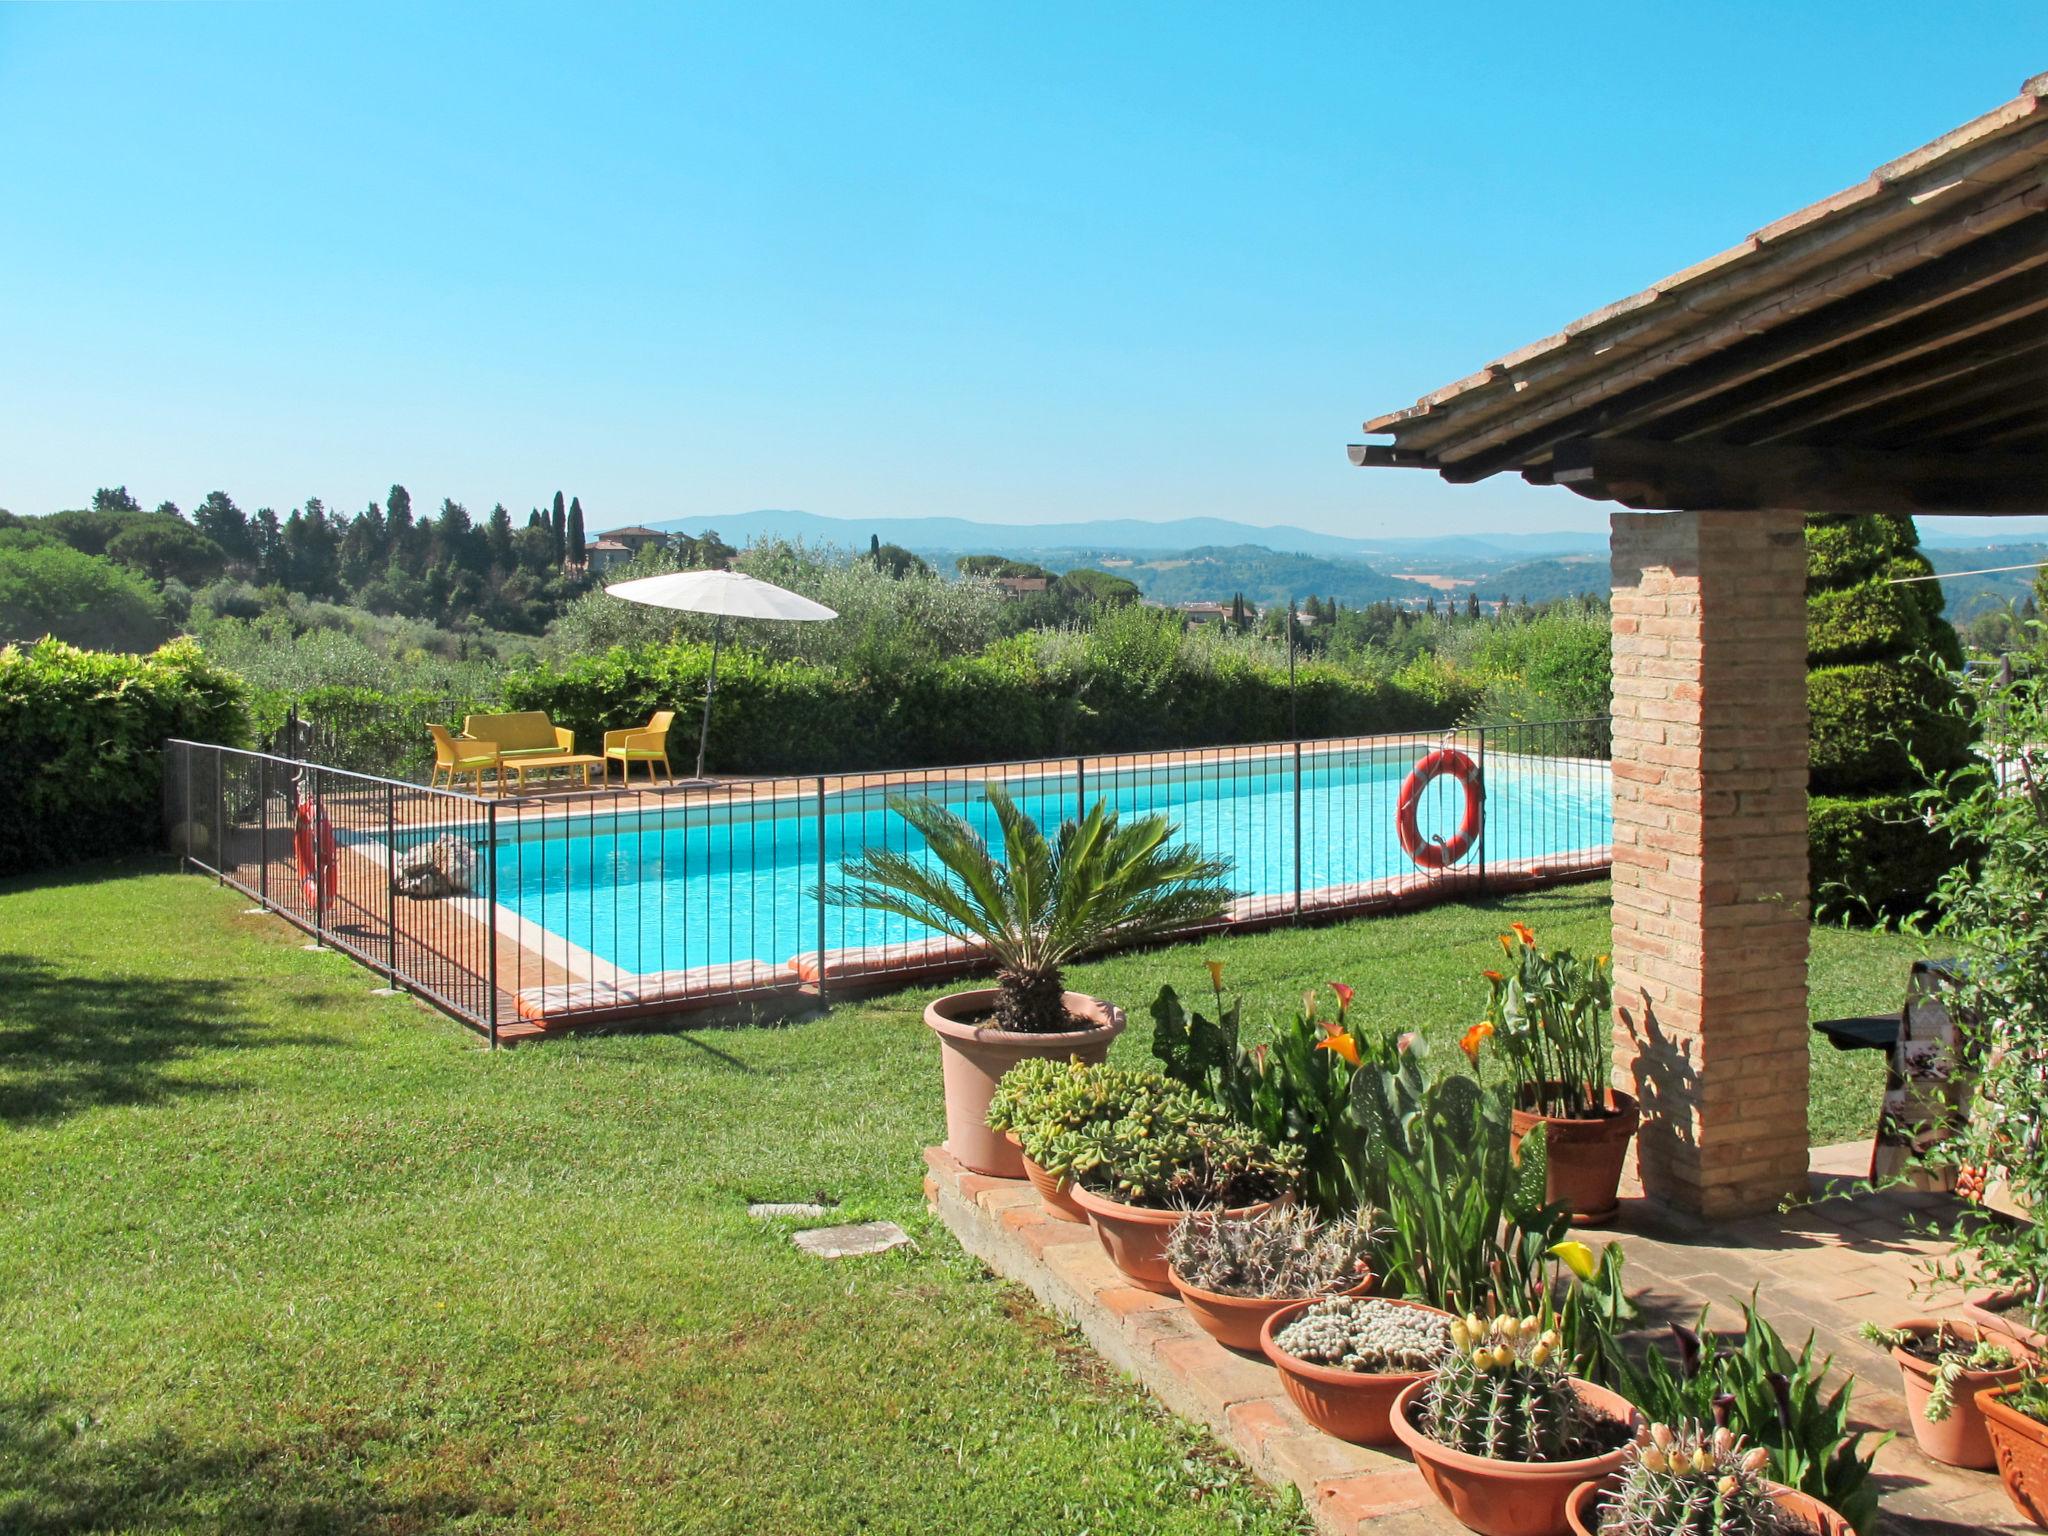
(1348, 1489)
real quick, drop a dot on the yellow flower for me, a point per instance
(1507, 944)
(1340, 1041)
(1577, 1258)
(1602, 960)
(1216, 974)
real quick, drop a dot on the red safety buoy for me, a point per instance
(1436, 853)
(318, 858)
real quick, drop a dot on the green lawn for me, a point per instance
(280, 1255)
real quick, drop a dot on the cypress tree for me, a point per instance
(560, 525)
(578, 553)
(1875, 705)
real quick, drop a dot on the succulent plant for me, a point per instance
(1043, 1103)
(1503, 1393)
(1693, 1481)
(1171, 1149)
(1368, 1334)
(1951, 1353)
(1287, 1251)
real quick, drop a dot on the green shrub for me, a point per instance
(1878, 696)
(49, 589)
(81, 736)
(1873, 853)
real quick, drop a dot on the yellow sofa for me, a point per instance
(527, 740)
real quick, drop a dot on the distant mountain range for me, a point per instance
(1212, 559)
(959, 535)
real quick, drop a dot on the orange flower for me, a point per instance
(1340, 1042)
(1522, 932)
(1493, 976)
(1473, 1037)
(1216, 974)
(1507, 945)
(1343, 994)
(1602, 960)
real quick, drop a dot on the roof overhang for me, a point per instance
(1884, 349)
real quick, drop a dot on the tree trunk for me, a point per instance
(1032, 1001)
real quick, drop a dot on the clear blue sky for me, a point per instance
(1020, 263)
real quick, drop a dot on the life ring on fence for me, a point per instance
(318, 858)
(1436, 853)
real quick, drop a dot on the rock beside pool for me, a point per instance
(849, 1242)
(445, 867)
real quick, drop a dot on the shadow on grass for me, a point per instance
(70, 1043)
(62, 1475)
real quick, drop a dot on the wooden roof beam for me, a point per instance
(2018, 247)
(1653, 476)
(1915, 392)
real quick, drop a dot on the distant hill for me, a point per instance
(1264, 576)
(959, 535)
(1969, 596)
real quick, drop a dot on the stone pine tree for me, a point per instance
(577, 550)
(1878, 698)
(559, 522)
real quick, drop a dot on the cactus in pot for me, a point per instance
(1504, 1394)
(1691, 1481)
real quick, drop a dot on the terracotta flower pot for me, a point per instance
(1235, 1321)
(2000, 1312)
(1803, 1507)
(1056, 1195)
(1134, 1236)
(1960, 1438)
(1584, 1158)
(975, 1058)
(1352, 1405)
(2020, 1443)
(1507, 1498)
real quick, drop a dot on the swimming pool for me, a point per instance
(624, 889)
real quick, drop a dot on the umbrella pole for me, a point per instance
(710, 687)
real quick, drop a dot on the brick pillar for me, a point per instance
(1710, 852)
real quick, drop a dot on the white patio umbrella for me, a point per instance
(728, 595)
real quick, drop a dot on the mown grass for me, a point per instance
(280, 1255)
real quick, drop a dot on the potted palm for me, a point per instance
(1550, 1015)
(1034, 908)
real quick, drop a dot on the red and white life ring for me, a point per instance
(1436, 853)
(318, 858)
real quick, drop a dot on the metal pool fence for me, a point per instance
(571, 906)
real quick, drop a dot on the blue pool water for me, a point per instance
(693, 884)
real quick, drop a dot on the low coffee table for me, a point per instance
(519, 767)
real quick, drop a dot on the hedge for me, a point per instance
(1872, 854)
(999, 705)
(1875, 704)
(81, 736)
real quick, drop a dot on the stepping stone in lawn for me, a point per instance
(863, 1237)
(768, 1210)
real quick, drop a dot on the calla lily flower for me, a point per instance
(1406, 1042)
(1343, 992)
(1474, 1037)
(1493, 976)
(1576, 1257)
(1507, 944)
(1524, 933)
(1340, 1041)
(1216, 974)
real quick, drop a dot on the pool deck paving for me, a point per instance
(1850, 1254)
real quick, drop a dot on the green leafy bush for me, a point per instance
(49, 589)
(1170, 1148)
(1878, 710)
(81, 737)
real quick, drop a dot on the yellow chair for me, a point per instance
(458, 755)
(640, 744)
